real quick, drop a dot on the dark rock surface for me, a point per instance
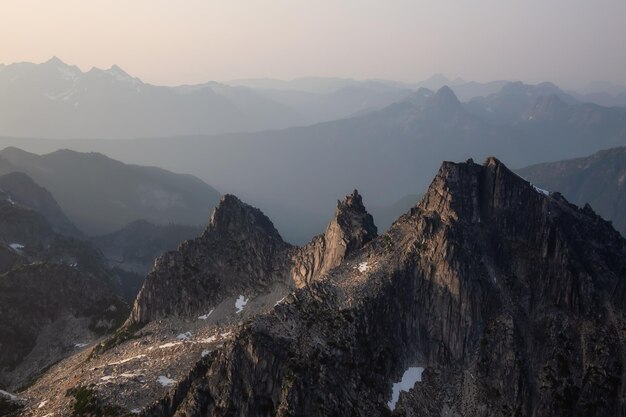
(241, 251)
(46, 312)
(513, 301)
(56, 294)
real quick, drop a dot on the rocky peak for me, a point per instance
(510, 299)
(351, 229)
(239, 252)
(352, 225)
(476, 193)
(445, 98)
(237, 220)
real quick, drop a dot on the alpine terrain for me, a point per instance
(490, 297)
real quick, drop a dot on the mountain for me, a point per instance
(512, 103)
(20, 188)
(57, 100)
(602, 98)
(489, 298)
(295, 175)
(56, 293)
(245, 254)
(135, 247)
(599, 180)
(113, 194)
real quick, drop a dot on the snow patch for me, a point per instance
(280, 301)
(184, 336)
(226, 334)
(9, 395)
(240, 303)
(208, 340)
(204, 353)
(16, 246)
(42, 404)
(409, 378)
(165, 381)
(205, 316)
(363, 267)
(170, 344)
(126, 360)
(80, 345)
(541, 190)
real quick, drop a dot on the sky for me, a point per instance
(169, 42)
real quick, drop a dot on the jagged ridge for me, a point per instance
(499, 290)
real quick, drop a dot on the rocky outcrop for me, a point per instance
(241, 252)
(513, 301)
(351, 228)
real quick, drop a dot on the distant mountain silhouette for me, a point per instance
(296, 174)
(101, 195)
(599, 179)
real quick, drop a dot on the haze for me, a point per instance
(571, 42)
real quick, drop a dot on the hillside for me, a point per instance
(511, 299)
(599, 180)
(101, 195)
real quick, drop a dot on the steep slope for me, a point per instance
(351, 229)
(241, 252)
(511, 300)
(113, 194)
(599, 179)
(47, 312)
(22, 189)
(135, 247)
(56, 294)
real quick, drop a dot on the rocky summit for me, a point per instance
(491, 297)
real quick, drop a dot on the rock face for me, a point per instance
(241, 251)
(513, 300)
(351, 228)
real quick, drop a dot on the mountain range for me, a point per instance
(296, 174)
(57, 100)
(491, 297)
(112, 194)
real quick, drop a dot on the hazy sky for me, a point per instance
(189, 41)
